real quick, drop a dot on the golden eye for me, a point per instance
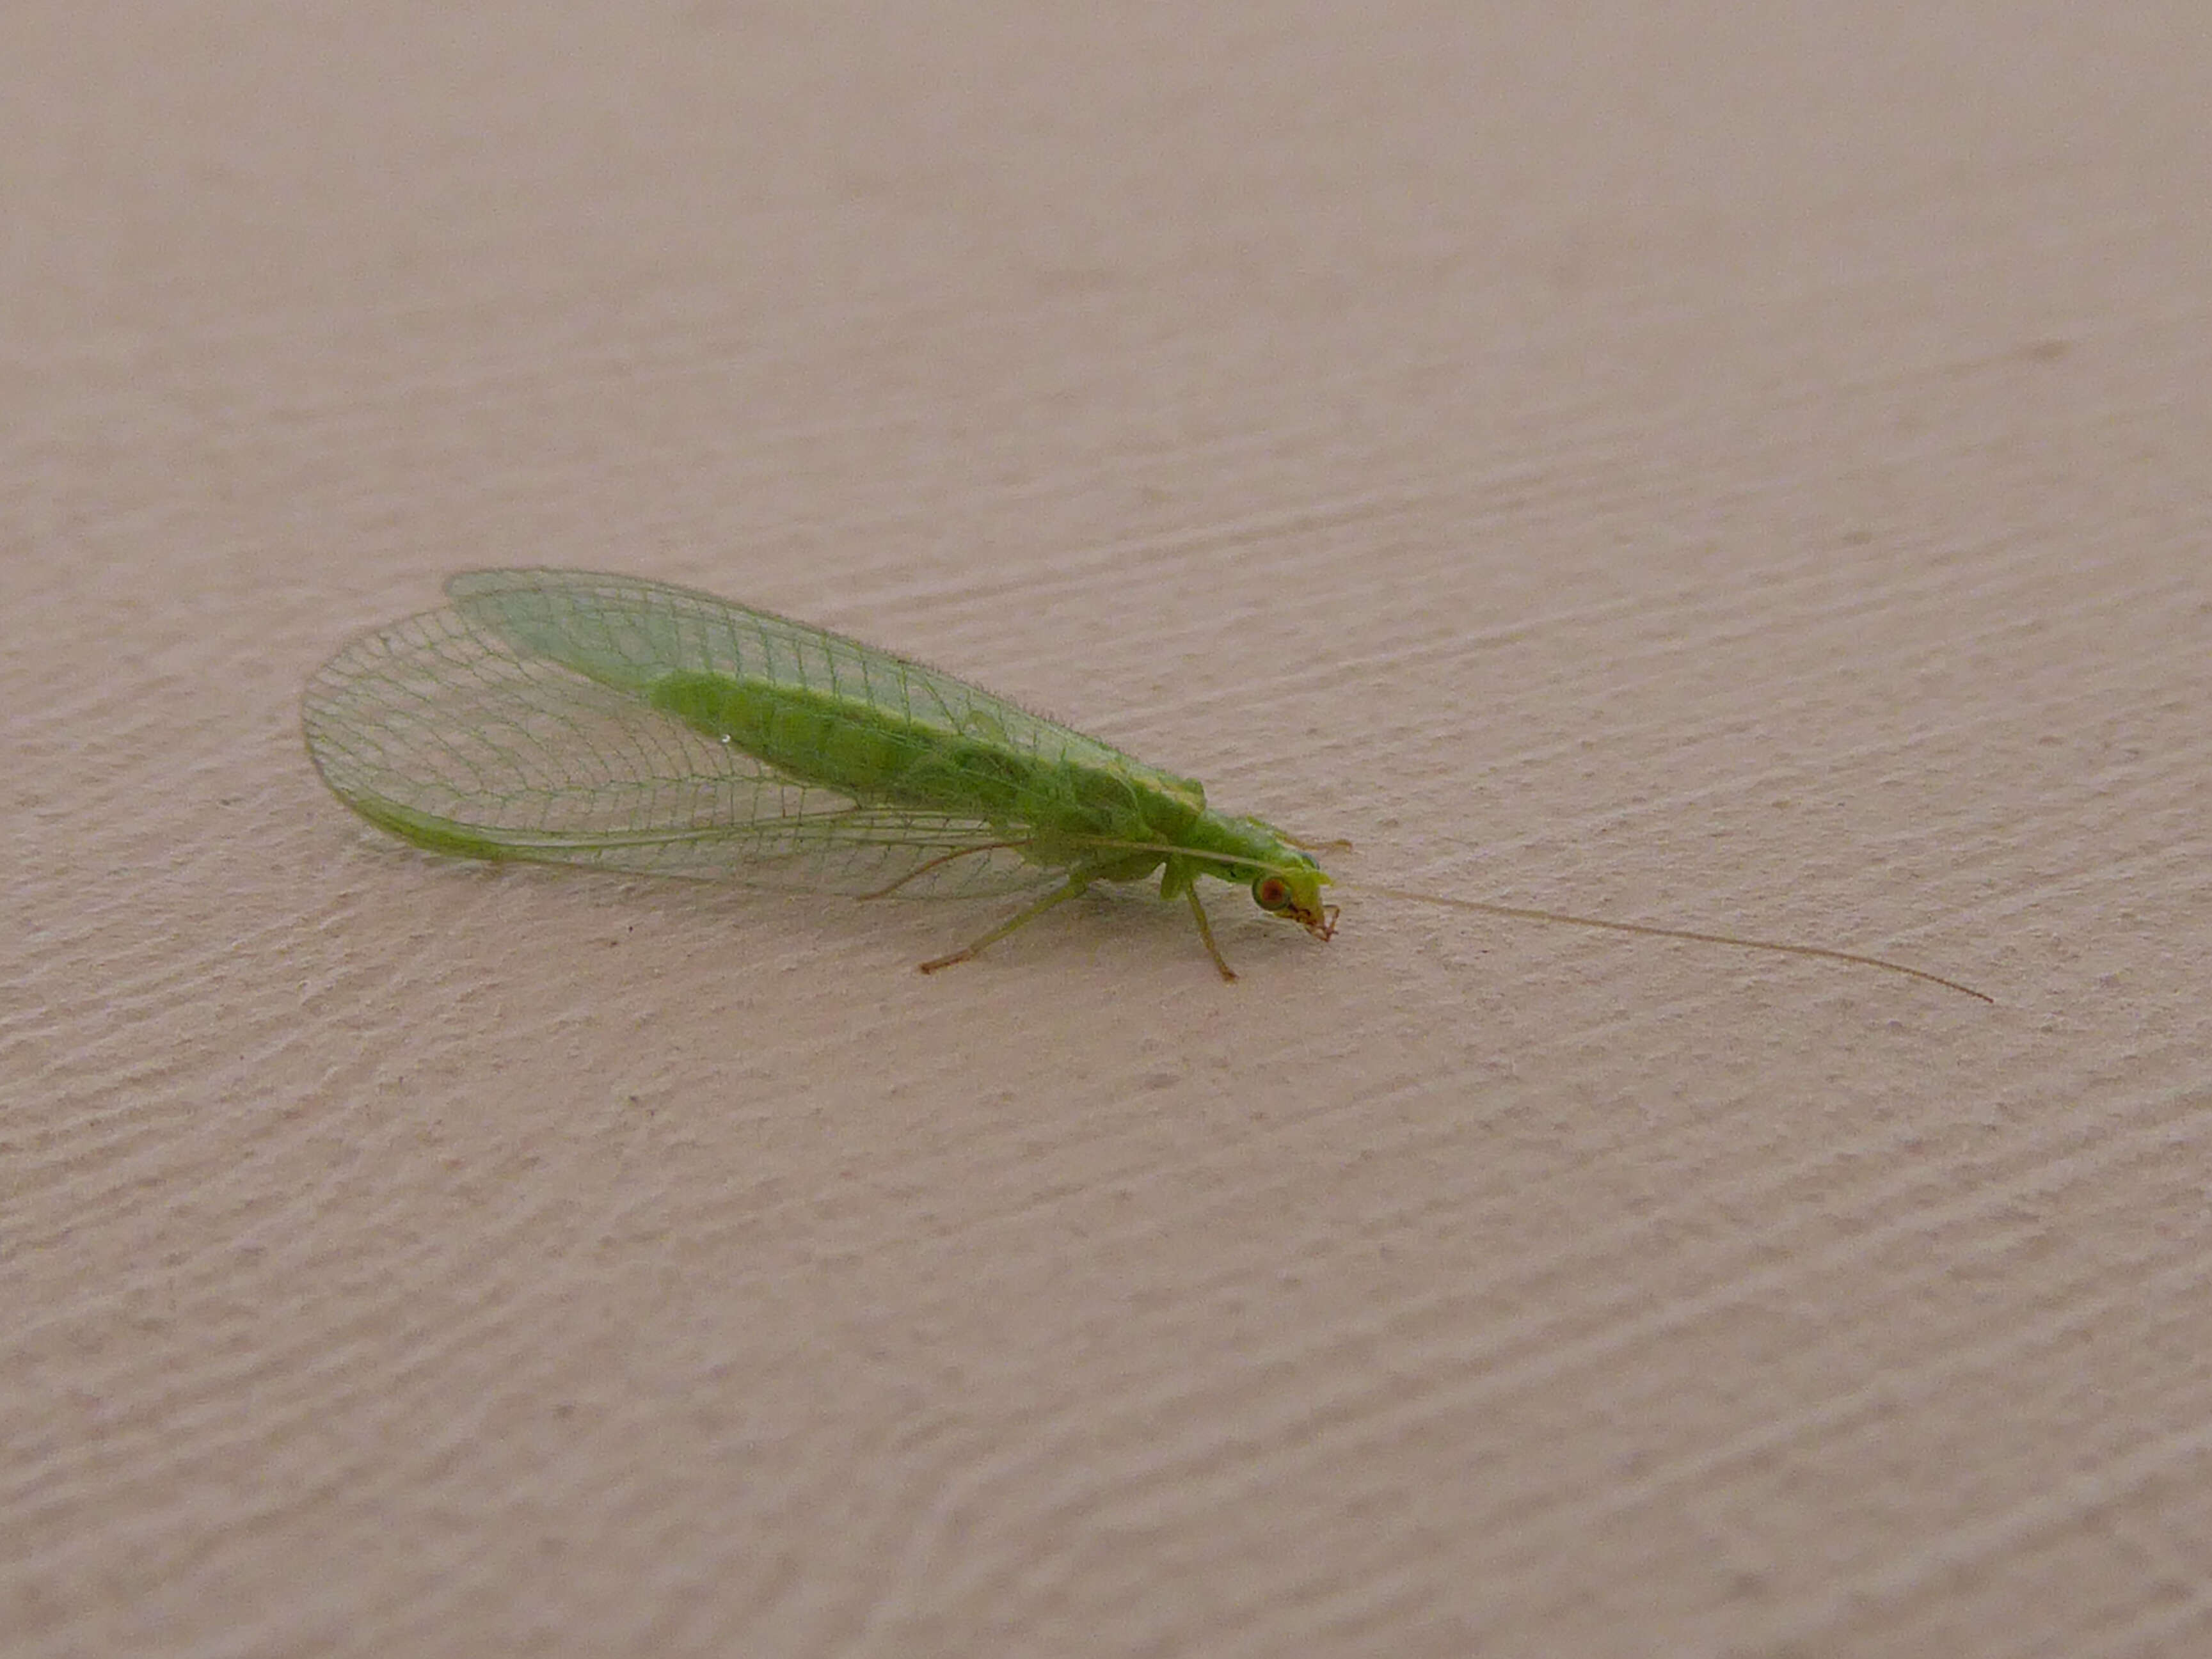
(1271, 893)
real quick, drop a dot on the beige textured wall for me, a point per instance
(1743, 467)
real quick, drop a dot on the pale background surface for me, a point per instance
(1749, 473)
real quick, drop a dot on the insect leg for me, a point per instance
(1206, 934)
(1058, 896)
(938, 863)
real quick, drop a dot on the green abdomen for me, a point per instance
(881, 758)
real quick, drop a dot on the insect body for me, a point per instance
(570, 718)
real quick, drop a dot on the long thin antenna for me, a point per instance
(1521, 913)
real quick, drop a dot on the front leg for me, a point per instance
(1206, 934)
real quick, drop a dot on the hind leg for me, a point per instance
(968, 952)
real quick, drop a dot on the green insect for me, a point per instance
(567, 717)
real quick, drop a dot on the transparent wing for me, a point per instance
(462, 739)
(628, 633)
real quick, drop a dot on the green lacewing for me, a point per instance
(566, 717)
